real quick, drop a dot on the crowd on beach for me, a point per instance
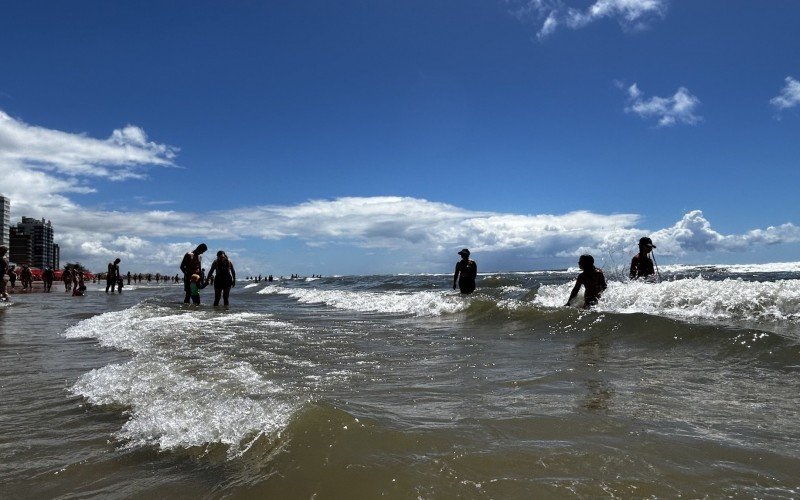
(222, 275)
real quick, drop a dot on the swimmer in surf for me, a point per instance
(642, 264)
(592, 279)
(466, 271)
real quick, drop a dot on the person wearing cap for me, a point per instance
(642, 264)
(466, 271)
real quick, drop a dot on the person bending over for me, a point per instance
(191, 265)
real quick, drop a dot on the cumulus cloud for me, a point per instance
(678, 108)
(156, 239)
(631, 15)
(789, 96)
(693, 233)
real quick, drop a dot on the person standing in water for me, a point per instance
(465, 274)
(642, 264)
(47, 278)
(592, 279)
(191, 265)
(225, 278)
(112, 275)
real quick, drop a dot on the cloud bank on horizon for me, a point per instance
(47, 168)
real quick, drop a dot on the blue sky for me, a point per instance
(371, 136)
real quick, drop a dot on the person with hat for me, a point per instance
(642, 264)
(466, 271)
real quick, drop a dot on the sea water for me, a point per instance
(397, 386)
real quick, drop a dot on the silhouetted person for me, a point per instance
(465, 274)
(224, 279)
(592, 279)
(642, 264)
(112, 275)
(47, 278)
(191, 265)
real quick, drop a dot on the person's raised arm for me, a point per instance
(575, 290)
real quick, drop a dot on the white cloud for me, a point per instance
(789, 96)
(678, 108)
(155, 240)
(631, 15)
(693, 233)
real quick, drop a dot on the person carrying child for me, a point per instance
(592, 279)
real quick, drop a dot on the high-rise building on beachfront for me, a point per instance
(5, 220)
(20, 248)
(56, 256)
(40, 244)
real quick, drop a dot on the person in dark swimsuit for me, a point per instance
(465, 274)
(225, 278)
(111, 276)
(47, 278)
(191, 265)
(592, 279)
(642, 264)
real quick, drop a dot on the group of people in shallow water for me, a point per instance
(594, 282)
(591, 278)
(222, 275)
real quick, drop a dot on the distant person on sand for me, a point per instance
(466, 272)
(113, 274)
(592, 279)
(642, 264)
(225, 278)
(3, 272)
(191, 265)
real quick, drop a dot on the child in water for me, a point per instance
(592, 279)
(194, 288)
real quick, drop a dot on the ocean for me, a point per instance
(398, 387)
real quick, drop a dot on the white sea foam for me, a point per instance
(773, 267)
(424, 303)
(170, 407)
(182, 388)
(251, 285)
(696, 298)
